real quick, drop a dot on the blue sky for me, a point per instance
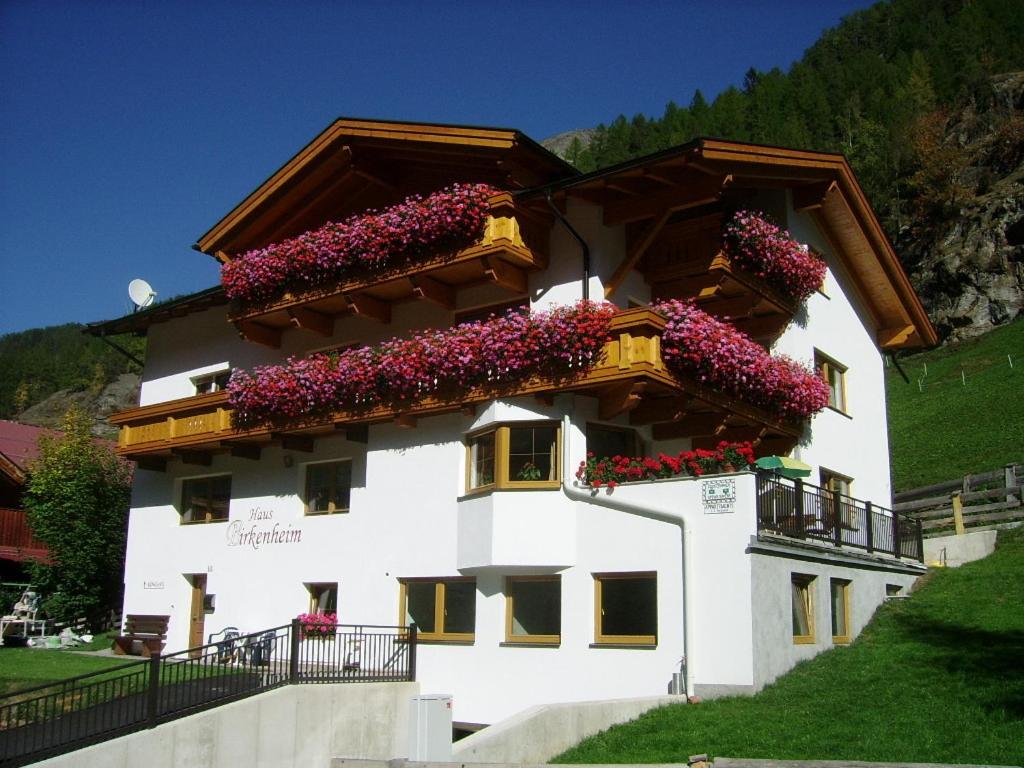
(128, 128)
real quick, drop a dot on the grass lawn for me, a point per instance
(29, 667)
(946, 429)
(936, 678)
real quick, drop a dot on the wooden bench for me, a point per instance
(150, 632)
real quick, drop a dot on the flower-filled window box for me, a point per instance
(416, 228)
(498, 355)
(697, 345)
(754, 243)
(615, 470)
(318, 625)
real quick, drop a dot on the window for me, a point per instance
(626, 608)
(211, 382)
(533, 609)
(834, 375)
(604, 441)
(893, 590)
(323, 598)
(803, 608)
(836, 502)
(441, 609)
(205, 499)
(839, 592)
(328, 487)
(513, 456)
(481, 460)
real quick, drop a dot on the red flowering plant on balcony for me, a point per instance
(695, 344)
(757, 245)
(318, 625)
(498, 354)
(416, 228)
(610, 472)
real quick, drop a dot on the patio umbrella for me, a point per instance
(784, 466)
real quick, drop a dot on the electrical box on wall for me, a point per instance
(430, 728)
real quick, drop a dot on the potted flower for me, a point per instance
(318, 625)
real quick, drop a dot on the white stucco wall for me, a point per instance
(855, 443)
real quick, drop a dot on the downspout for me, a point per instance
(651, 513)
(583, 245)
(896, 362)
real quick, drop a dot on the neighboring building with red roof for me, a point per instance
(19, 446)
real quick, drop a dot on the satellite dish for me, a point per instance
(141, 294)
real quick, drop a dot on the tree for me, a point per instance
(77, 503)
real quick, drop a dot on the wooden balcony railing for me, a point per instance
(514, 243)
(631, 373)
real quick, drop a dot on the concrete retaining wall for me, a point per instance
(954, 551)
(292, 727)
(539, 733)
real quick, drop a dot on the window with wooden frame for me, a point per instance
(834, 374)
(517, 455)
(211, 382)
(328, 487)
(205, 499)
(605, 441)
(626, 608)
(802, 607)
(323, 597)
(441, 609)
(839, 594)
(533, 609)
(837, 503)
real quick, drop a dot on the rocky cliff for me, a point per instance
(967, 260)
(118, 395)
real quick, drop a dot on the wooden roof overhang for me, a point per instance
(630, 379)
(138, 322)
(358, 164)
(651, 195)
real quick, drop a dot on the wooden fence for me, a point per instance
(972, 503)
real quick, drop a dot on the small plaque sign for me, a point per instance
(151, 584)
(718, 496)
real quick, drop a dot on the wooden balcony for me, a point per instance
(630, 378)
(514, 244)
(686, 262)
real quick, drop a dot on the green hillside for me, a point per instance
(41, 361)
(933, 679)
(962, 412)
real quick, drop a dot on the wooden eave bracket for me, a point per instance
(428, 288)
(354, 433)
(700, 191)
(151, 463)
(199, 458)
(692, 425)
(405, 420)
(368, 306)
(310, 320)
(620, 398)
(663, 409)
(261, 334)
(812, 196)
(241, 450)
(636, 251)
(505, 275)
(300, 443)
(898, 336)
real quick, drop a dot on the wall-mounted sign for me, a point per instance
(260, 530)
(718, 496)
(152, 584)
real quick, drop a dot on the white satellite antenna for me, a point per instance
(141, 293)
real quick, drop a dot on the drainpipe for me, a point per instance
(896, 362)
(583, 245)
(651, 513)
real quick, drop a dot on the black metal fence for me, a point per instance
(52, 719)
(799, 510)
